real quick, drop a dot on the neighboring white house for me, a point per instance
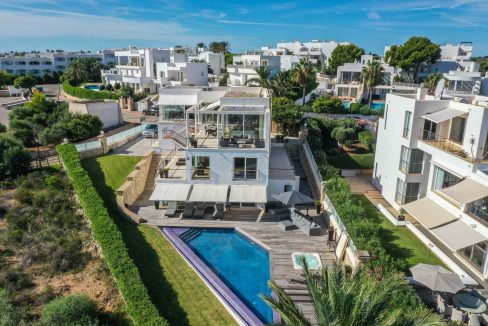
(108, 111)
(216, 61)
(226, 154)
(314, 50)
(244, 66)
(432, 159)
(182, 73)
(39, 64)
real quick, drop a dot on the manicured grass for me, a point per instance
(177, 291)
(399, 242)
(352, 161)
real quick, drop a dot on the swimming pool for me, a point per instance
(240, 263)
(346, 104)
(377, 105)
(92, 87)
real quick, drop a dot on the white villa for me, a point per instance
(314, 50)
(432, 160)
(39, 64)
(215, 144)
(244, 65)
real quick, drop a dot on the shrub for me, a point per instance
(328, 104)
(25, 82)
(52, 135)
(286, 114)
(87, 93)
(109, 87)
(9, 316)
(3, 128)
(14, 159)
(102, 87)
(84, 126)
(105, 231)
(366, 139)
(70, 310)
(117, 86)
(355, 108)
(365, 110)
(343, 135)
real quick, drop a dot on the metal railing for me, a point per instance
(478, 211)
(83, 147)
(125, 134)
(443, 143)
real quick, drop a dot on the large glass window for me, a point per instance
(457, 129)
(430, 130)
(443, 179)
(201, 167)
(245, 168)
(406, 192)
(479, 208)
(475, 254)
(406, 123)
(411, 160)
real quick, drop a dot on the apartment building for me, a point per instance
(215, 144)
(244, 66)
(216, 61)
(148, 69)
(432, 160)
(39, 64)
(315, 50)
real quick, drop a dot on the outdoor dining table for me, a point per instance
(469, 303)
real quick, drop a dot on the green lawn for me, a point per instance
(178, 292)
(399, 242)
(352, 161)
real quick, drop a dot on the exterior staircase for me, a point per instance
(178, 138)
(152, 172)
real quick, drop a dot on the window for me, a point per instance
(406, 192)
(200, 167)
(430, 130)
(443, 179)
(411, 160)
(457, 129)
(245, 168)
(406, 123)
(479, 208)
(475, 254)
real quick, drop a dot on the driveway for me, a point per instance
(137, 147)
(3, 111)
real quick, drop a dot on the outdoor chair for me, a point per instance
(171, 210)
(223, 142)
(218, 211)
(188, 211)
(199, 211)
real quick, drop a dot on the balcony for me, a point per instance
(478, 210)
(445, 144)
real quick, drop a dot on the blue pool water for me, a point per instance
(92, 87)
(346, 104)
(377, 105)
(241, 264)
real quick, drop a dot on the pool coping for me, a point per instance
(239, 311)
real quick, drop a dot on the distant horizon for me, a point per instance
(90, 25)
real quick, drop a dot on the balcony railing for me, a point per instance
(479, 211)
(200, 173)
(411, 168)
(444, 144)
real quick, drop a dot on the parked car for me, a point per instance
(150, 131)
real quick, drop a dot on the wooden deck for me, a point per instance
(280, 244)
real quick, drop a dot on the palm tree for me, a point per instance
(200, 45)
(76, 72)
(355, 299)
(372, 75)
(302, 74)
(263, 79)
(281, 83)
(432, 81)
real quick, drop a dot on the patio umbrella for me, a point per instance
(437, 278)
(292, 198)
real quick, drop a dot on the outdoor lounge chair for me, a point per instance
(287, 225)
(188, 211)
(199, 211)
(171, 210)
(218, 211)
(307, 226)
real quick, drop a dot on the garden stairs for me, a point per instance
(152, 172)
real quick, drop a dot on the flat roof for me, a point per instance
(242, 94)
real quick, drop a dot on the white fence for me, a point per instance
(125, 134)
(83, 147)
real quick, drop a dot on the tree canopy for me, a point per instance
(286, 114)
(6, 78)
(412, 54)
(372, 75)
(14, 159)
(82, 70)
(219, 47)
(327, 104)
(25, 82)
(343, 54)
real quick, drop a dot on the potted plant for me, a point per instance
(193, 142)
(331, 232)
(166, 172)
(156, 204)
(401, 216)
(318, 206)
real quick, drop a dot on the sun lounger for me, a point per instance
(188, 211)
(287, 225)
(171, 210)
(305, 224)
(218, 211)
(199, 211)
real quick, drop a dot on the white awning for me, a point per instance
(466, 191)
(247, 194)
(443, 115)
(170, 192)
(428, 213)
(458, 235)
(209, 193)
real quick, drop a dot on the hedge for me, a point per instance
(88, 93)
(106, 233)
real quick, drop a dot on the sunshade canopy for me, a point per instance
(428, 213)
(458, 235)
(443, 115)
(437, 278)
(292, 198)
(247, 194)
(466, 191)
(170, 192)
(209, 193)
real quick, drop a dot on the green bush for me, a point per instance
(105, 231)
(84, 126)
(87, 93)
(328, 104)
(3, 128)
(14, 159)
(366, 139)
(70, 310)
(25, 82)
(9, 316)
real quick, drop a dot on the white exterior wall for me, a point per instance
(109, 112)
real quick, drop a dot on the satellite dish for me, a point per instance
(439, 89)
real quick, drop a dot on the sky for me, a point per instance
(246, 25)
